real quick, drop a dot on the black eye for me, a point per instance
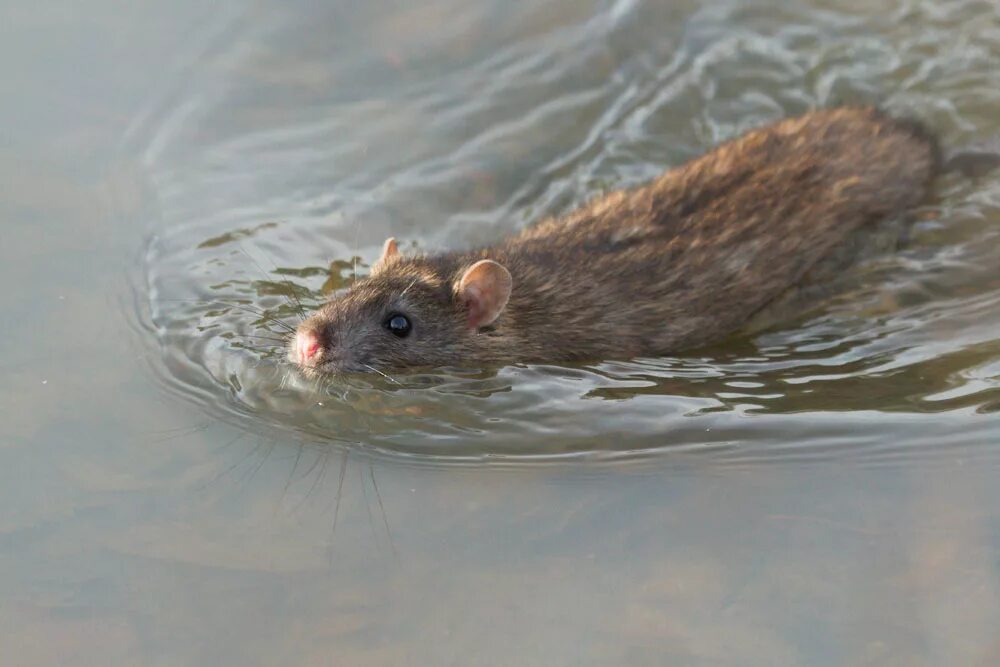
(399, 325)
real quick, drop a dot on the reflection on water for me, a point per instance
(822, 492)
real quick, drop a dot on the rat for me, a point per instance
(678, 263)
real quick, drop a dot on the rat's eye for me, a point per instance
(398, 324)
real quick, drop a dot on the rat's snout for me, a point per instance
(306, 347)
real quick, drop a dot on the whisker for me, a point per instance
(264, 314)
(368, 506)
(277, 340)
(336, 508)
(291, 477)
(294, 300)
(385, 517)
(250, 474)
(238, 463)
(412, 283)
(321, 461)
(261, 352)
(390, 379)
(261, 313)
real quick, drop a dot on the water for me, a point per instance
(821, 493)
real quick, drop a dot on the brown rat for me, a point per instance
(680, 262)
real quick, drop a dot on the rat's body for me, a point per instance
(680, 262)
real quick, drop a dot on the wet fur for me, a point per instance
(680, 262)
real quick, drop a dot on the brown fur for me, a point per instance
(680, 262)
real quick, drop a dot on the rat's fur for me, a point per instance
(680, 262)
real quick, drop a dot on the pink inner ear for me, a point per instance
(390, 248)
(477, 310)
(485, 288)
(390, 251)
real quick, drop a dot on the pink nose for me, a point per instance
(306, 346)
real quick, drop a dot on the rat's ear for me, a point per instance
(390, 253)
(484, 289)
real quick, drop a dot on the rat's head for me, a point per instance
(406, 313)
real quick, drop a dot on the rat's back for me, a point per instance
(694, 254)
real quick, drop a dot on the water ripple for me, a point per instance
(284, 144)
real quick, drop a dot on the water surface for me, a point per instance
(820, 493)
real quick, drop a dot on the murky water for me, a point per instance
(821, 493)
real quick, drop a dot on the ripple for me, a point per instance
(280, 162)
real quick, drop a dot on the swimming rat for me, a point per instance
(680, 262)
